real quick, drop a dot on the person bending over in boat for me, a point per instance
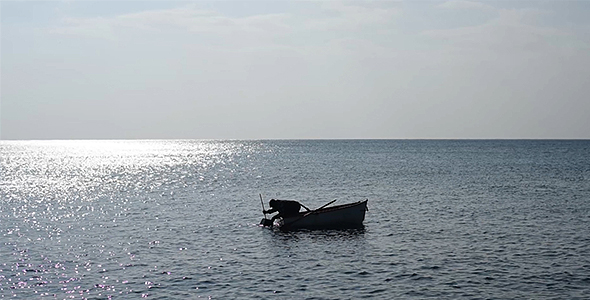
(286, 208)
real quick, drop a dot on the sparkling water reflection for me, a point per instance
(178, 219)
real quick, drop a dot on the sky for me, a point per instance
(294, 70)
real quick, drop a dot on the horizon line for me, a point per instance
(298, 139)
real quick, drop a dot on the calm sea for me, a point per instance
(177, 219)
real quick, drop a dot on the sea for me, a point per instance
(179, 219)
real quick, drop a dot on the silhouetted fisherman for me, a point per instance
(286, 208)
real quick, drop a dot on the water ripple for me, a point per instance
(178, 219)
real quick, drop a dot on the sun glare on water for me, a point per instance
(69, 169)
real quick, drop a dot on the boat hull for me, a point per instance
(349, 215)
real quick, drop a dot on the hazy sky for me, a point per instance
(293, 69)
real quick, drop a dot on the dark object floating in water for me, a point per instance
(343, 216)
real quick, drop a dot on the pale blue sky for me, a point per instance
(284, 69)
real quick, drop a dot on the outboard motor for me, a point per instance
(266, 222)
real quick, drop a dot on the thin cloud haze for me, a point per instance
(251, 70)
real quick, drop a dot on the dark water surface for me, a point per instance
(178, 219)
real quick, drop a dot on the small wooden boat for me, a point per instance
(349, 215)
